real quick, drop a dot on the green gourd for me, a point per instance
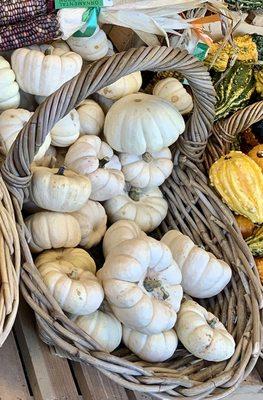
(248, 5)
(255, 242)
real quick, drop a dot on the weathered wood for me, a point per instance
(50, 377)
(13, 385)
(94, 386)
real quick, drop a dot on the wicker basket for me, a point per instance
(193, 208)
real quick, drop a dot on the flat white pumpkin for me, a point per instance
(66, 131)
(91, 118)
(11, 123)
(52, 230)
(151, 348)
(119, 232)
(147, 170)
(58, 189)
(142, 285)
(71, 283)
(122, 87)
(147, 208)
(9, 89)
(103, 327)
(90, 48)
(42, 69)
(140, 123)
(92, 219)
(203, 274)
(171, 89)
(203, 334)
(93, 158)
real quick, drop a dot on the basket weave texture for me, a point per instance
(194, 208)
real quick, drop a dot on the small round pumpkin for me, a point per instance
(119, 232)
(140, 123)
(122, 87)
(52, 230)
(147, 208)
(66, 131)
(59, 189)
(203, 274)
(71, 283)
(90, 48)
(91, 118)
(11, 123)
(151, 348)
(171, 89)
(203, 334)
(245, 225)
(257, 155)
(53, 65)
(92, 220)
(93, 158)
(9, 93)
(148, 170)
(102, 326)
(142, 285)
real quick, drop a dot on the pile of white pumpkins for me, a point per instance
(92, 169)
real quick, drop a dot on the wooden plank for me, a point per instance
(94, 386)
(253, 384)
(138, 396)
(49, 376)
(13, 385)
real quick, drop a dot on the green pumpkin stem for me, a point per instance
(147, 157)
(135, 194)
(61, 170)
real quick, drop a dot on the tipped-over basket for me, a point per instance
(194, 208)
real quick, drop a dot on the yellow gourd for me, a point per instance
(239, 181)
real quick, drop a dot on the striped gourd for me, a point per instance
(245, 4)
(255, 242)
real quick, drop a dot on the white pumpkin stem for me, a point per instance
(49, 51)
(135, 194)
(103, 162)
(147, 157)
(61, 170)
(151, 284)
(212, 323)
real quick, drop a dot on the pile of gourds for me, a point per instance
(93, 169)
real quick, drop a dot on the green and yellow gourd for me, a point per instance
(248, 5)
(259, 81)
(235, 89)
(255, 242)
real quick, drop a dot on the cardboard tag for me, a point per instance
(82, 3)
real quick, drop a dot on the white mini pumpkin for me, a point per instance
(151, 348)
(70, 281)
(52, 66)
(119, 232)
(140, 123)
(91, 118)
(203, 334)
(91, 157)
(52, 230)
(92, 219)
(102, 326)
(147, 208)
(90, 48)
(171, 89)
(147, 170)
(122, 87)
(142, 285)
(9, 89)
(203, 274)
(48, 159)
(11, 123)
(58, 189)
(66, 131)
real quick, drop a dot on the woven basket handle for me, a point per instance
(225, 132)
(16, 169)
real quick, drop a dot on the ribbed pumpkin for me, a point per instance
(239, 181)
(257, 155)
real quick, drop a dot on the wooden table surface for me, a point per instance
(29, 371)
